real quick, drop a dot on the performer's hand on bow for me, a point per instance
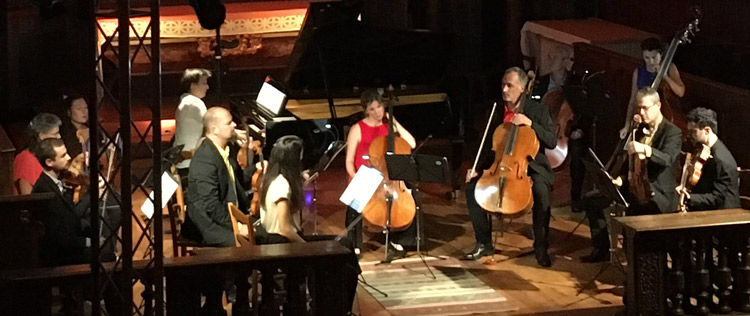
(617, 181)
(471, 174)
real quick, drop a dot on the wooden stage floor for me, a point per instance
(533, 290)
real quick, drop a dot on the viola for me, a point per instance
(505, 186)
(245, 160)
(692, 170)
(257, 179)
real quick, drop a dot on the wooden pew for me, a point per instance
(694, 241)
(24, 291)
(19, 232)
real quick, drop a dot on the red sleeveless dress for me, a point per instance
(368, 134)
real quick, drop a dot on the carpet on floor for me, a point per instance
(412, 291)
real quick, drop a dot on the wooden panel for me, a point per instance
(676, 221)
(7, 155)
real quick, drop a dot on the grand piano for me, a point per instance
(336, 57)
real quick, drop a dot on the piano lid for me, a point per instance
(353, 53)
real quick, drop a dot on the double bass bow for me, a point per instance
(505, 186)
(392, 207)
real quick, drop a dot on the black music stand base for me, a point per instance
(416, 168)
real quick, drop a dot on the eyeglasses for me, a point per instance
(639, 108)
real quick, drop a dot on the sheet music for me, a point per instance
(361, 188)
(168, 187)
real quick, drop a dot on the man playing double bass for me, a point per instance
(658, 149)
(718, 187)
(537, 117)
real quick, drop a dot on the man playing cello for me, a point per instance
(537, 117)
(658, 149)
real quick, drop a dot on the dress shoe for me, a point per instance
(596, 255)
(542, 258)
(480, 250)
(393, 254)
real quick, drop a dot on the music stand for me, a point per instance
(603, 180)
(416, 168)
(333, 150)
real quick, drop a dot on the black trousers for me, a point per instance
(595, 208)
(540, 214)
(577, 150)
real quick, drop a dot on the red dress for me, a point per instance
(26, 167)
(368, 134)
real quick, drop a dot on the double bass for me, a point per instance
(505, 186)
(392, 206)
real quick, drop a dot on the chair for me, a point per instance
(177, 209)
(744, 179)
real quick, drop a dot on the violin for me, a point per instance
(505, 186)
(691, 173)
(391, 207)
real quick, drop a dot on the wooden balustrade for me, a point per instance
(697, 263)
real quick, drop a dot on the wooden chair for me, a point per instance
(177, 210)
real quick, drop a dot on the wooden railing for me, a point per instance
(27, 291)
(695, 263)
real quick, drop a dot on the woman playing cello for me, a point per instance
(358, 143)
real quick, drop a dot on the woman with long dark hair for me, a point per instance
(281, 192)
(281, 201)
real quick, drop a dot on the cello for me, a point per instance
(505, 186)
(392, 206)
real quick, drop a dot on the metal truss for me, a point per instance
(131, 281)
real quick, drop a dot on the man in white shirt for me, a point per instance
(189, 115)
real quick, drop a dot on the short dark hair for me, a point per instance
(41, 123)
(369, 96)
(46, 150)
(652, 43)
(191, 76)
(704, 117)
(69, 97)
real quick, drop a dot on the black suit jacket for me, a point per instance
(545, 132)
(661, 168)
(64, 240)
(210, 190)
(718, 187)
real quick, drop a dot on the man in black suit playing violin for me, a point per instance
(537, 117)
(658, 149)
(718, 187)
